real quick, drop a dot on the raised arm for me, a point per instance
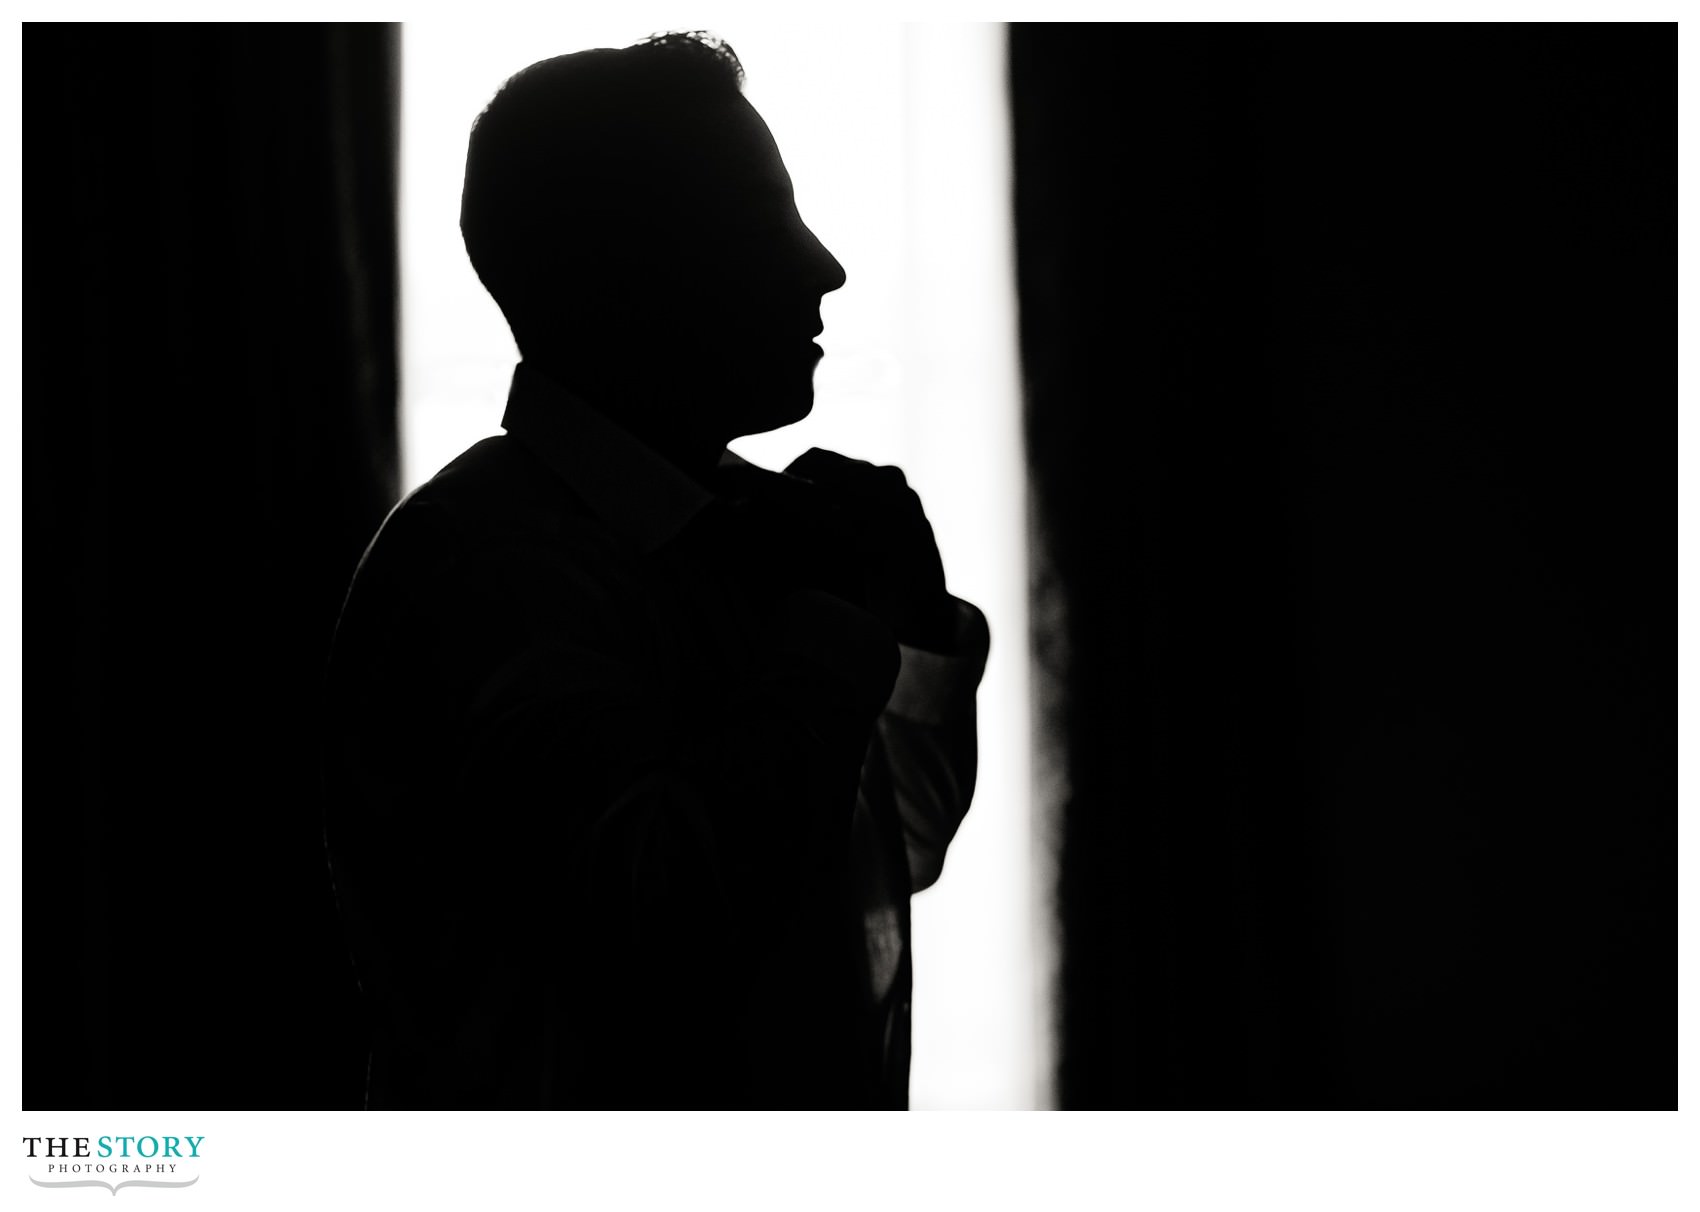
(928, 741)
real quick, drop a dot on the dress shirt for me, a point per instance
(613, 820)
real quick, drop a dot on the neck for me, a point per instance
(661, 418)
(697, 455)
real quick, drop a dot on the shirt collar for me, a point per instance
(631, 488)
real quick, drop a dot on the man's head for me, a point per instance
(631, 215)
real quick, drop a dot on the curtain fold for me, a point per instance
(210, 336)
(1347, 370)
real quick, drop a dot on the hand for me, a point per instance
(877, 521)
(784, 536)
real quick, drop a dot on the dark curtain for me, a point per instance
(210, 376)
(1348, 361)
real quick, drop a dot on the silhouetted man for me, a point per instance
(637, 750)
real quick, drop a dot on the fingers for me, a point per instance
(833, 470)
(822, 466)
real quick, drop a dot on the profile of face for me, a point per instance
(760, 273)
(725, 280)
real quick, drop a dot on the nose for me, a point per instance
(829, 274)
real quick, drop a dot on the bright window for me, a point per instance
(896, 139)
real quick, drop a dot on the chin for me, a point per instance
(777, 414)
(774, 402)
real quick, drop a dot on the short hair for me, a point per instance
(575, 154)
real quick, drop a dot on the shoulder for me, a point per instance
(495, 485)
(495, 499)
(495, 532)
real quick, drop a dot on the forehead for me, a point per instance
(730, 146)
